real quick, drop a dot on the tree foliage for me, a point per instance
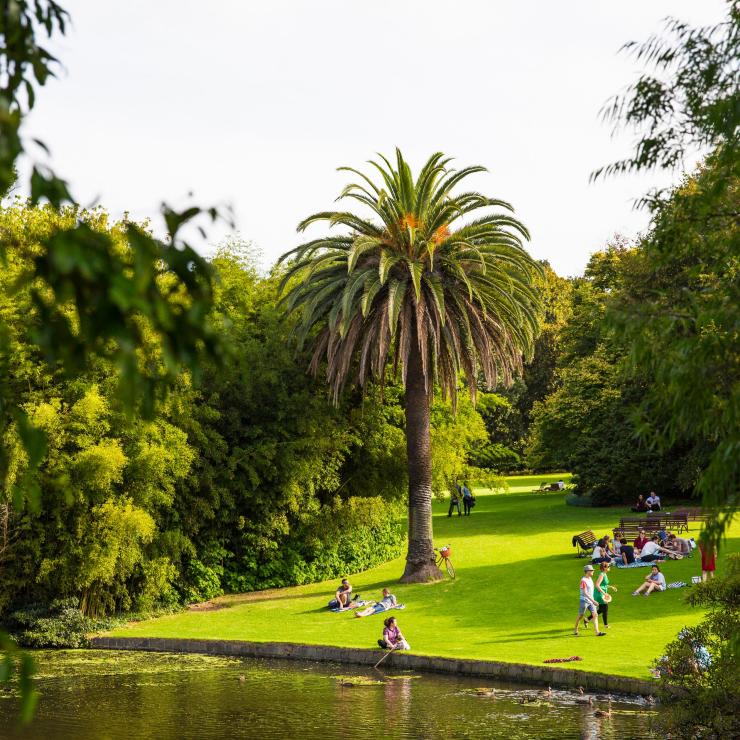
(702, 689)
(688, 102)
(586, 425)
(679, 315)
(424, 287)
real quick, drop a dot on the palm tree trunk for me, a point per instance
(420, 565)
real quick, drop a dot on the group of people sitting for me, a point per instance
(651, 503)
(660, 546)
(345, 600)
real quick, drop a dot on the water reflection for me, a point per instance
(90, 695)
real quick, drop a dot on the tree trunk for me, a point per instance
(420, 565)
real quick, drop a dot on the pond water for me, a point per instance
(107, 695)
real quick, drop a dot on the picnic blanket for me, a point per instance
(638, 564)
(355, 605)
(677, 584)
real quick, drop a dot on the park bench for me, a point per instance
(670, 522)
(585, 542)
(545, 487)
(693, 514)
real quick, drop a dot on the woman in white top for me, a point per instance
(600, 552)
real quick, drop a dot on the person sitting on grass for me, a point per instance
(343, 594)
(655, 581)
(653, 501)
(392, 638)
(678, 544)
(654, 551)
(626, 552)
(600, 552)
(640, 505)
(640, 541)
(587, 602)
(387, 602)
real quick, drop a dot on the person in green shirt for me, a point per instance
(601, 589)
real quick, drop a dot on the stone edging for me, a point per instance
(532, 674)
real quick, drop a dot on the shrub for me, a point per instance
(700, 673)
(344, 537)
(61, 624)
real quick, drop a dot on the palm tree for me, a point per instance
(405, 288)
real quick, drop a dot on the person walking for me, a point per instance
(587, 602)
(455, 494)
(467, 498)
(601, 595)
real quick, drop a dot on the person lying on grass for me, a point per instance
(392, 638)
(387, 602)
(653, 550)
(655, 581)
(587, 602)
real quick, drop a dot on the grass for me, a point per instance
(515, 597)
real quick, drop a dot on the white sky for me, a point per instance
(255, 104)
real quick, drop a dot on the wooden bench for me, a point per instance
(694, 514)
(585, 542)
(629, 525)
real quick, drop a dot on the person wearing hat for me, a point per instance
(587, 602)
(601, 595)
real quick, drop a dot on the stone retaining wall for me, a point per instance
(532, 674)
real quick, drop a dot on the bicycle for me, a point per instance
(444, 557)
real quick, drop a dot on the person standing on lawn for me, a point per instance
(587, 602)
(455, 494)
(601, 589)
(467, 498)
(708, 561)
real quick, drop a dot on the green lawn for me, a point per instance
(515, 598)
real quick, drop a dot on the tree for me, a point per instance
(684, 328)
(586, 424)
(700, 681)
(92, 297)
(679, 314)
(408, 289)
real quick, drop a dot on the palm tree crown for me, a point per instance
(416, 274)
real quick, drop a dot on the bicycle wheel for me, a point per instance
(450, 568)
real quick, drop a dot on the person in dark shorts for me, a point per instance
(455, 495)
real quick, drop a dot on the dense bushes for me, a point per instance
(58, 625)
(701, 669)
(342, 537)
(245, 480)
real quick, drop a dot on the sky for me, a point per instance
(255, 105)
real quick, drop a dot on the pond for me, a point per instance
(96, 694)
